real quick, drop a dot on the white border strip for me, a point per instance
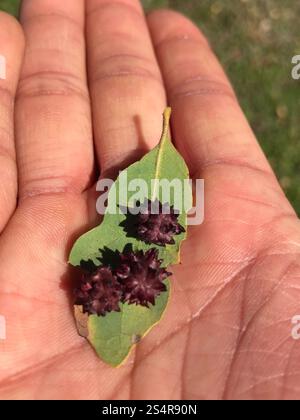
(2, 328)
(2, 67)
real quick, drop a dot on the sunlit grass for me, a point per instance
(10, 6)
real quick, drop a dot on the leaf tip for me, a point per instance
(166, 122)
(167, 114)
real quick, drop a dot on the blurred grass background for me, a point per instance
(255, 40)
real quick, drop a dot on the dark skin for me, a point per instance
(227, 330)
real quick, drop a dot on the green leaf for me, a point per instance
(114, 335)
(111, 336)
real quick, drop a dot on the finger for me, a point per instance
(208, 125)
(125, 82)
(53, 122)
(208, 122)
(11, 54)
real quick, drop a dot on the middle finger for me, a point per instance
(126, 87)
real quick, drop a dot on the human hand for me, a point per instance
(227, 331)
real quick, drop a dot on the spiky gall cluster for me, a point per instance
(138, 279)
(99, 292)
(157, 223)
(141, 276)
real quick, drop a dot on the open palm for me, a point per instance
(227, 330)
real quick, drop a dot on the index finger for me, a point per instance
(209, 127)
(201, 95)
